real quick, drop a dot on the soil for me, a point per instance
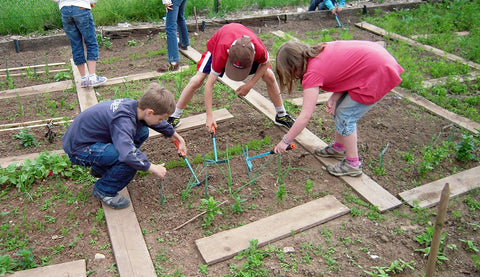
(345, 246)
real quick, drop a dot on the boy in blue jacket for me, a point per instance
(107, 137)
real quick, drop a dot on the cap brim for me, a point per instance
(236, 74)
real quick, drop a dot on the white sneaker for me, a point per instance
(95, 80)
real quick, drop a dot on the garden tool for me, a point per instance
(182, 154)
(249, 159)
(338, 21)
(216, 161)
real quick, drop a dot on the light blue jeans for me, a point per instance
(103, 159)
(79, 27)
(347, 114)
(176, 22)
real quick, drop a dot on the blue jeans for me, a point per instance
(176, 20)
(79, 27)
(103, 159)
(347, 113)
(320, 4)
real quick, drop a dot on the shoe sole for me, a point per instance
(331, 156)
(96, 85)
(280, 124)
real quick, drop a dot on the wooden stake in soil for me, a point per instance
(437, 231)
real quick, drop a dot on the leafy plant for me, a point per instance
(396, 266)
(132, 43)
(211, 209)
(26, 138)
(426, 239)
(253, 265)
(466, 147)
(7, 265)
(60, 76)
(26, 261)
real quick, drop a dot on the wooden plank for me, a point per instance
(31, 66)
(76, 268)
(379, 31)
(439, 81)
(466, 123)
(364, 185)
(140, 76)
(226, 244)
(284, 35)
(37, 89)
(5, 161)
(129, 247)
(322, 98)
(428, 195)
(86, 96)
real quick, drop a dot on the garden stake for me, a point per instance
(216, 161)
(248, 159)
(182, 154)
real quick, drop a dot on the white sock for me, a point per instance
(178, 113)
(281, 111)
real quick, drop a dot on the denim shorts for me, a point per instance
(79, 28)
(347, 113)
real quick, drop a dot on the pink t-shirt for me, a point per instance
(363, 68)
(221, 41)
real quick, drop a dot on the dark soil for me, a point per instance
(345, 246)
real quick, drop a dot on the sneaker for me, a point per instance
(96, 80)
(84, 82)
(344, 169)
(182, 47)
(285, 121)
(116, 202)
(95, 173)
(330, 152)
(175, 122)
(168, 67)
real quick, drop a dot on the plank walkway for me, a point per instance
(226, 244)
(428, 195)
(71, 269)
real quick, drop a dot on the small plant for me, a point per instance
(254, 263)
(61, 76)
(26, 261)
(26, 138)
(105, 41)
(395, 267)
(308, 186)
(7, 265)
(132, 43)
(211, 209)
(466, 147)
(426, 239)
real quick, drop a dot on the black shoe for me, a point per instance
(285, 121)
(182, 47)
(116, 202)
(175, 122)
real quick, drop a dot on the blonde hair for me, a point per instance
(292, 60)
(157, 98)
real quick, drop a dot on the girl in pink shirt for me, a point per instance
(359, 73)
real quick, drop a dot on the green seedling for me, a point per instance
(26, 138)
(211, 209)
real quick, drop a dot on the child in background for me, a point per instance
(77, 21)
(107, 137)
(359, 73)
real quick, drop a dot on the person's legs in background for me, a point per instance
(313, 5)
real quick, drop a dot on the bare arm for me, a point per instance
(212, 78)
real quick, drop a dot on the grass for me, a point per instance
(40, 16)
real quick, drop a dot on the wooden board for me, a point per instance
(86, 96)
(139, 76)
(129, 247)
(428, 195)
(379, 31)
(50, 87)
(71, 269)
(322, 98)
(443, 80)
(5, 161)
(224, 245)
(466, 123)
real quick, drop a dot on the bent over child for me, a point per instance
(359, 73)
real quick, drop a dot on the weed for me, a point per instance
(132, 43)
(426, 239)
(26, 261)
(203, 269)
(308, 186)
(61, 76)
(211, 209)
(254, 263)
(395, 267)
(466, 147)
(7, 265)
(26, 138)
(104, 41)
(470, 245)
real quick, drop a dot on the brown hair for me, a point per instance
(157, 98)
(292, 60)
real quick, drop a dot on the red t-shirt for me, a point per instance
(221, 41)
(363, 68)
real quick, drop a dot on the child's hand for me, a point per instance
(158, 170)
